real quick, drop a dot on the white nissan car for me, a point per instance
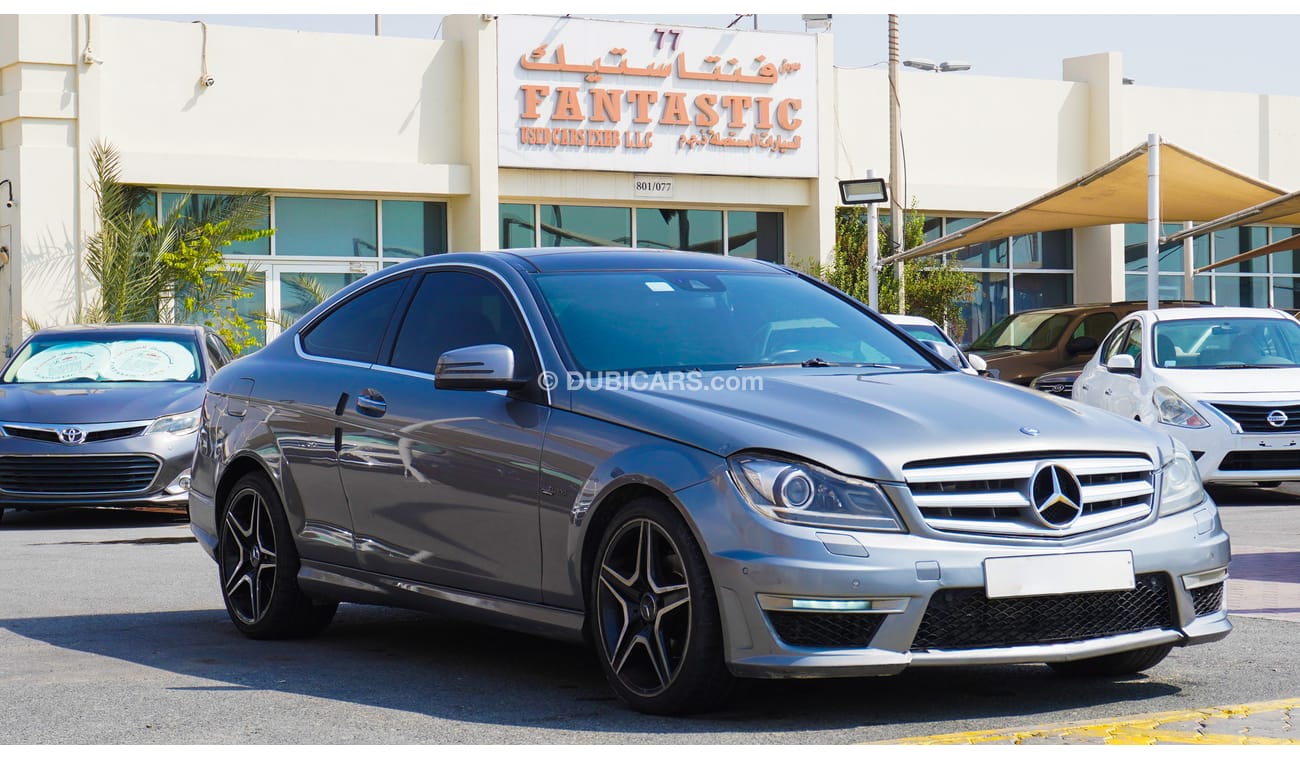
(1224, 381)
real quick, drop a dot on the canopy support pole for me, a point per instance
(1153, 221)
(1189, 266)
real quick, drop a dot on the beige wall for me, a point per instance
(355, 114)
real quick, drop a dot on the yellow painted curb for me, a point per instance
(1135, 729)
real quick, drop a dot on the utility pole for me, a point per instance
(895, 151)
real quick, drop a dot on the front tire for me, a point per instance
(655, 621)
(258, 565)
(1118, 664)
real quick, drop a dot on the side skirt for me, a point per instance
(345, 584)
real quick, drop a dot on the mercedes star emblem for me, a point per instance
(1055, 495)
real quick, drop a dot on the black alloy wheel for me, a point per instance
(655, 615)
(258, 566)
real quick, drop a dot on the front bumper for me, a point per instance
(139, 472)
(756, 563)
(1225, 456)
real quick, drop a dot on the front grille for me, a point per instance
(1057, 387)
(1208, 599)
(825, 630)
(1254, 418)
(992, 495)
(65, 475)
(41, 434)
(965, 618)
(1278, 459)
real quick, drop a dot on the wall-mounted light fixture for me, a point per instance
(9, 185)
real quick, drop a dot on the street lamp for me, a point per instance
(925, 64)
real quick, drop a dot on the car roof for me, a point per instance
(1216, 312)
(908, 319)
(597, 259)
(121, 328)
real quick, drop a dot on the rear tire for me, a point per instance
(654, 614)
(258, 566)
(1118, 664)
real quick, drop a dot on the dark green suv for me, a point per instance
(1024, 345)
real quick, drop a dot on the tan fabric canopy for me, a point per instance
(1192, 188)
(1282, 210)
(1290, 244)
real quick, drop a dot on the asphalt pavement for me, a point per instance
(112, 632)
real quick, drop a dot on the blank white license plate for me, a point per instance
(1058, 574)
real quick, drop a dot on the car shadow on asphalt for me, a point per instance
(401, 660)
(75, 518)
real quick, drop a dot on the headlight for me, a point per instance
(1180, 482)
(185, 422)
(1174, 410)
(800, 493)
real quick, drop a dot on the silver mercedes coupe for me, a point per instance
(707, 467)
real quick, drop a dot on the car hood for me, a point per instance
(869, 424)
(1280, 384)
(87, 403)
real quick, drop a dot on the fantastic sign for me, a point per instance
(741, 103)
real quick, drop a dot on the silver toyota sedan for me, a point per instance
(708, 467)
(104, 415)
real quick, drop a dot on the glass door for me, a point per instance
(292, 290)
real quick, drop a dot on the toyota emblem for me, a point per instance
(72, 436)
(1055, 495)
(1277, 418)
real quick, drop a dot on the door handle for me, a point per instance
(1109, 392)
(371, 403)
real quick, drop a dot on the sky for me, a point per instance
(1190, 44)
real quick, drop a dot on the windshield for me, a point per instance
(1030, 331)
(923, 332)
(57, 359)
(1231, 343)
(629, 321)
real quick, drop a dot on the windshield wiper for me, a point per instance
(819, 362)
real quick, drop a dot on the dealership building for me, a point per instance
(520, 131)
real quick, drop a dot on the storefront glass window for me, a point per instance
(991, 303)
(1286, 293)
(518, 226)
(1043, 250)
(585, 226)
(1230, 242)
(1241, 291)
(1285, 261)
(679, 229)
(198, 201)
(756, 235)
(325, 227)
(414, 228)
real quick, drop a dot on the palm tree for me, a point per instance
(145, 263)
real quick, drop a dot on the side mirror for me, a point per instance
(1084, 344)
(1121, 364)
(944, 351)
(977, 362)
(487, 367)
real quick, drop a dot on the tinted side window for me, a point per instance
(354, 330)
(1133, 343)
(1113, 342)
(1095, 325)
(454, 310)
(218, 354)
